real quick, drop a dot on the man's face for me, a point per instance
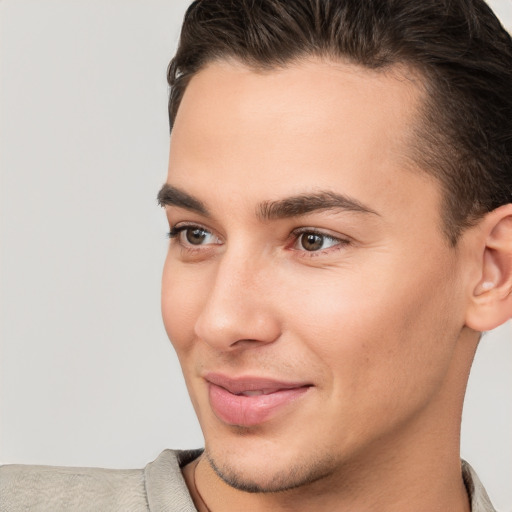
(307, 262)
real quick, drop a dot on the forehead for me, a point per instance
(307, 97)
(312, 124)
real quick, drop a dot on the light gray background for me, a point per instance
(87, 375)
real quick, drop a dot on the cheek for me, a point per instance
(181, 304)
(378, 337)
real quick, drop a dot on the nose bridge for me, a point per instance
(238, 306)
(237, 270)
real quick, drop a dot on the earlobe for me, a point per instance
(491, 300)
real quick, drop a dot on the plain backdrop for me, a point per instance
(87, 375)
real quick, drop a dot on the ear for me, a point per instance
(491, 298)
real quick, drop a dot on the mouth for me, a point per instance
(250, 401)
(257, 392)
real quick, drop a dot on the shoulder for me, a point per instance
(47, 488)
(42, 488)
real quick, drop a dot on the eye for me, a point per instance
(314, 241)
(193, 236)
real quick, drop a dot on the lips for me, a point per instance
(250, 401)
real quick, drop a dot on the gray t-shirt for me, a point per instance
(159, 487)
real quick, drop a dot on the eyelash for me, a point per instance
(176, 231)
(340, 243)
(295, 235)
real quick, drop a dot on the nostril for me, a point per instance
(247, 343)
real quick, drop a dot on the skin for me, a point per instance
(376, 320)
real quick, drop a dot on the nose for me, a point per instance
(239, 311)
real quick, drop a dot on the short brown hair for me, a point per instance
(458, 46)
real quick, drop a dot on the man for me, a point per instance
(339, 200)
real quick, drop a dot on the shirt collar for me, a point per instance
(478, 497)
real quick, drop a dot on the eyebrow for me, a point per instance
(303, 204)
(173, 196)
(294, 206)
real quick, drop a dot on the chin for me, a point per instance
(257, 471)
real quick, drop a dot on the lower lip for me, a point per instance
(247, 411)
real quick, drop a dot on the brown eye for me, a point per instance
(312, 241)
(195, 236)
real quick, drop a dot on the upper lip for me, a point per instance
(237, 385)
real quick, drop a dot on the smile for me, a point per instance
(250, 401)
(257, 392)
